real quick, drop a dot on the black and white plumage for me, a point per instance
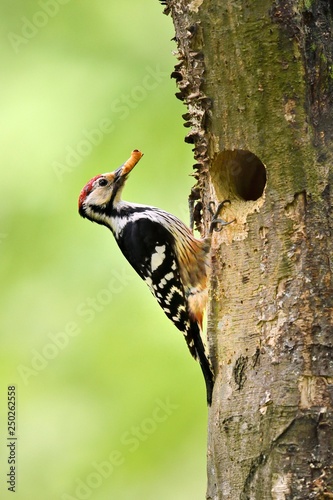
(161, 249)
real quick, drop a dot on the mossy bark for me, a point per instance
(257, 78)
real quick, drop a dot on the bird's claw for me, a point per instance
(216, 223)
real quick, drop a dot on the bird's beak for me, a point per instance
(123, 171)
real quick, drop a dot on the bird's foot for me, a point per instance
(217, 223)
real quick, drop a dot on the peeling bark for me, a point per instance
(257, 80)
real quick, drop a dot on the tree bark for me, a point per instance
(257, 79)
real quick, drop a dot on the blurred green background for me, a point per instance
(110, 403)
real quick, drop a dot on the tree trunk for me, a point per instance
(257, 79)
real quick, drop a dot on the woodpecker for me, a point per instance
(162, 250)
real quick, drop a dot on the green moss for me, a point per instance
(260, 102)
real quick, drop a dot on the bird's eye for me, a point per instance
(102, 182)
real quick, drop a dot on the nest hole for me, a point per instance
(239, 174)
